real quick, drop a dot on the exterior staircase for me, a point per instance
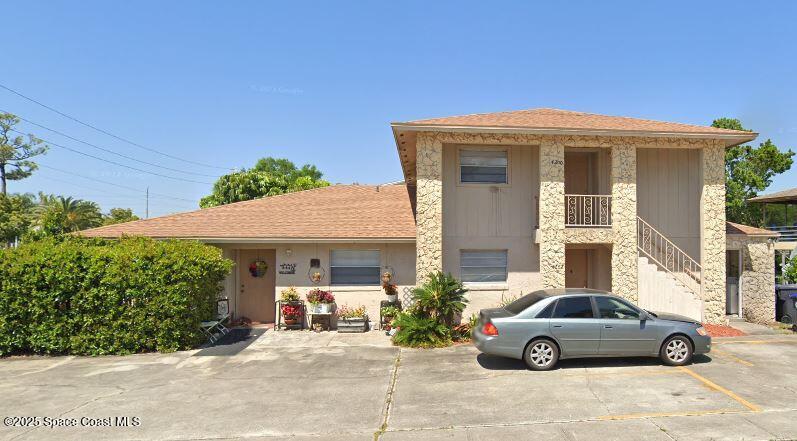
(669, 280)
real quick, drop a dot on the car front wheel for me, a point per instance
(541, 355)
(676, 351)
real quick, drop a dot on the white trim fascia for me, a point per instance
(293, 240)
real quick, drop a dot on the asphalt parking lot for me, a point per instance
(349, 387)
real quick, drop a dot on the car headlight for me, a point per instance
(702, 331)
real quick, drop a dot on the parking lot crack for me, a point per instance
(594, 394)
(389, 398)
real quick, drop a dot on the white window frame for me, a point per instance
(486, 282)
(378, 267)
(503, 149)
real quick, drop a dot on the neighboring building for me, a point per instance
(779, 214)
(508, 202)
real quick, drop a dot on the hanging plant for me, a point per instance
(258, 268)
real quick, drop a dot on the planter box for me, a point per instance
(359, 324)
(321, 308)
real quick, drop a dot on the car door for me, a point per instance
(574, 325)
(622, 332)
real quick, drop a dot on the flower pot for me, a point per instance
(392, 297)
(324, 308)
(355, 324)
(291, 321)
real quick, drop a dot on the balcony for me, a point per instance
(787, 234)
(583, 210)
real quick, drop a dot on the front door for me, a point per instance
(256, 297)
(576, 268)
(575, 326)
(732, 272)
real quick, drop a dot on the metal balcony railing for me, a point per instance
(588, 210)
(787, 234)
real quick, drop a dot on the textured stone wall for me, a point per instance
(589, 235)
(625, 273)
(429, 206)
(758, 277)
(552, 213)
(712, 233)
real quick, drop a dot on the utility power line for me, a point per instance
(113, 195)
(107, 150)
(114, 162)
(111, 134)
(125, 187)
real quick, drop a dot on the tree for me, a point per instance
(748, 171)
(118, 216)
(16, 216)
(59, 215)
(15, 152)
(269, 177)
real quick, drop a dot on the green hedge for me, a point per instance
(88, 296)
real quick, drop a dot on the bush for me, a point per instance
(90, 296)
(420, 332)
(441, 297)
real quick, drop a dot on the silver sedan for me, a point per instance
(545, 326)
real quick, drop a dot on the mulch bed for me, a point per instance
(722, 331)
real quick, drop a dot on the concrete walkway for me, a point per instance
(309, 386)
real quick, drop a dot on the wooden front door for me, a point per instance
(576, 268)
(256, 298)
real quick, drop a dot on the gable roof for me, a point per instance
(355, 212)
(746, 230)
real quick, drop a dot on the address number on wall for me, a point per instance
(557, 162)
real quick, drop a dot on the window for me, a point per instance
(483, 166)
(482, 266)
(526, 301)
(610, 308)
(573, 307)
(354, 267)
(547, 312)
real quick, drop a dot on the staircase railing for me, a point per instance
(667, 256)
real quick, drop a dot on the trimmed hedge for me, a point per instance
(83, 296)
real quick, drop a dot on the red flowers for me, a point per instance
(291, 311)
(320, 296)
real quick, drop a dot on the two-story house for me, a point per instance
(508, 202)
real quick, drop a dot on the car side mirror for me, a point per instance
(643, 316)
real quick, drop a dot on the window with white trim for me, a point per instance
(476, 266)
(354, 267)
(483, 166)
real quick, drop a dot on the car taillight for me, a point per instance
(489, 329)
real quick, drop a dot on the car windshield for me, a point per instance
(524, 302)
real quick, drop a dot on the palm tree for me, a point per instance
(58, 214)
(441, 297)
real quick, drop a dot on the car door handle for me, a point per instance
(608, 326)
(557, 326)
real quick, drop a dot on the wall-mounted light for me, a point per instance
(288, 252)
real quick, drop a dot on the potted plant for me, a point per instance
(352, 319)
(388, 313)
(290, 306)
(391, 290)
(321, 301)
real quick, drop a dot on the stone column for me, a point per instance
(552, 213)
(429, 206)
(625, 260)
(712, 233)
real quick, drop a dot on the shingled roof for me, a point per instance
(335, 212)
(746, 230)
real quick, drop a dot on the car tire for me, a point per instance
(786, 319)
(541, 355)
(676, 351)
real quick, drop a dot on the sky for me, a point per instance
(217, 85)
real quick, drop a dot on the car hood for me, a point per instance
(493, 313)
(674, 317)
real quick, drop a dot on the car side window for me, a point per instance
(573, 307)
(546, 313)
(610, 308)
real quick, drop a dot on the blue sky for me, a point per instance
(225, 83)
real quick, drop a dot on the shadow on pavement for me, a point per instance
(496, 363)
(234, 342)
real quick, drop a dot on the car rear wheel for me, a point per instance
(676, 351)
(541, 355)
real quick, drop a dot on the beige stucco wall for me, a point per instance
(668, 194)
(757, 278)
(399, 256)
